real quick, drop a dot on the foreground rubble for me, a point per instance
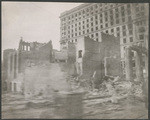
(98, 104)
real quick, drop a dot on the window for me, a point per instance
(87, 25)
(112, 23)
(92, 35)
(101, 26)
(80, 53)
(95, 16)
(87, 30)
(96, 28)
(111, 17)
(111, 12)
(83, 11)
(92, 29)
(130, 26)
(96, 6)
(122, 13)
(117, 21)
(124, 40)
(91, 8)
(111, 6)
(124, 27)
(101, 15)
(106, 31)
(97, 39)
(117, 15)
(122, 8)
(137, 9)
(79, 13)
(118, 28)
(130, 32)
(83, 32)
(128, 5)
(91, 24)
(116, 9)
(129, 18)
(106, 19)
(129, 12)
(124, 33)
(75, 40)
(101, 20)
(133, 63)
(142, 7)
(131, 39)
(112, 30)
(106, 24)
(96, 22)
(141, 37)
(72, 16)
(91, 19)
(118, 34)
(123, 19)
(96, 34)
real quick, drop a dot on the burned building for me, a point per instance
(100, 57)
(27, 55)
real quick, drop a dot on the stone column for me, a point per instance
(81, 69)
(23, 47)
(17, 63)
(105, 65)
(146, 65)
(13, 63)
(77, 67)
(8, 64)
(8, 74)
(12, 87)
(128, 63)
(139, 70)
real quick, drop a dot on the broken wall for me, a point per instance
(113, 67)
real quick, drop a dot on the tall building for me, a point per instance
(125, 20)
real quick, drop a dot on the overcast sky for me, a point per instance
(34, 21)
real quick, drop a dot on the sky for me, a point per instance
(33, 21)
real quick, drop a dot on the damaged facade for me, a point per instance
(16, 61)
(99, 58)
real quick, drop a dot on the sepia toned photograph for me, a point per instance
(73, 60)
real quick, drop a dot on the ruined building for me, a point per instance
(90, 56)
(16, 61)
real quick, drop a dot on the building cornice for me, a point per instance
(75, 9)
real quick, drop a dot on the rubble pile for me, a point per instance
(114, 87)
